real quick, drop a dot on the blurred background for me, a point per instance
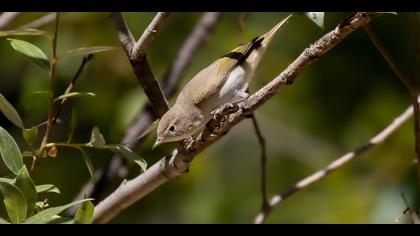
(335, 105)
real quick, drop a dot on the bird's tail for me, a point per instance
(263, 41)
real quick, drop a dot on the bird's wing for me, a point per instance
(209, 80)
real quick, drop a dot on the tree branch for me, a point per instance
(48, 18)
(7, 18)
(335, 165)
(178, 162)
(138, 59)
(116, 168)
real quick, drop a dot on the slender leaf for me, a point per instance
(88, 163)
(129, 155)
(7, 180)
(47, 188)
(83, 51)
(317, 18)
(28, 32)
(72, 126)
(27, 154)
(14, 201)
(96, 139)
(62, 220)
(48, 214)
(32, 52)
(75, 94)
(10, 152)
(10, 112)
(85, 212)
(27, 186)
(30, 135)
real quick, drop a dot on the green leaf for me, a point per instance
(392, 13)
(28, 32)
(85, 212)
(96, 139)
(317, 18)
(83, 51)
(72, 126)
(47, 188)
(27, 186)
(30, 135)
(48, 214)
(10, 112)
(62, 220)
(10, 152)
(129, 155)
(3, 221)
(32, 52)
(14, 201)
(7, 180)
(88, 163)
(75, 94)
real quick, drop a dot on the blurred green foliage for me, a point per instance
(335, 105)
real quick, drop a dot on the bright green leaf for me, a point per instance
(10, 112)
(29, 32)
(47, 188)
(30, 135)
(87, 50)
(129, 155)
(32, 52)
(317, 18)
(88, 163)
(75, 94)
(48, 214)
(72, 126)
(85, 212)
(14, 201)
(96, 139)
(7, 180)
(10, 152)
(27, 186)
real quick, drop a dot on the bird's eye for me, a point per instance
(172, 128)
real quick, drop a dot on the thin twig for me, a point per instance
(43, 20)
(411, 87)
(114, 169)
(37, 159)
(335, 165)
(71, 85)
(143, 43)
(261, 141)
(178, 162)
(139, 61)
(7, 18)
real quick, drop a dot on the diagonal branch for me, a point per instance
(43, 20)
(138, 59)
(178, 162)
(7, 18)
(335, 165)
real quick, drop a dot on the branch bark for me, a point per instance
(335, 165)
(178, 162)
(7, 18)
(48, 18)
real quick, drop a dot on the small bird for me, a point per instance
(224, 81)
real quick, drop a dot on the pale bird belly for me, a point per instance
(234, 88)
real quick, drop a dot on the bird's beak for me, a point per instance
(157, 143)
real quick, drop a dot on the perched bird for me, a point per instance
(224, 81)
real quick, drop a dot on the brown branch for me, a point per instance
(7, 18)
(71, 85)
(138, 59)
(178, 162)
(263, 164)
(116, 168)
(43, 20)
(335, 165)
(411, 87)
